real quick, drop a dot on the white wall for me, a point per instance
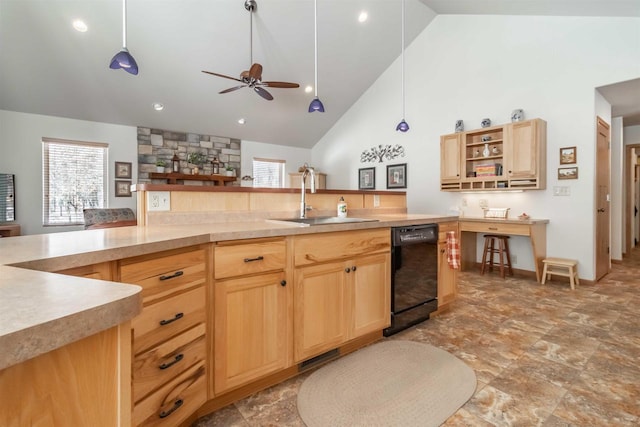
(631, 135)
(294, 157)
(470, 67)
(21, 154)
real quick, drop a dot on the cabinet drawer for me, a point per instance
(321, 247)
(161, 276)
(158, 365)
(165, 319)
(445, 227)
(174, 402)
(495, 228)
(249, 258)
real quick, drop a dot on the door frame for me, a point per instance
(628, 196)
(599, 273)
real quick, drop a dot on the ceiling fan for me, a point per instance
(253, 77)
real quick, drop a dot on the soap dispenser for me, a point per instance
(342, 208)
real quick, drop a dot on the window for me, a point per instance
(268, 173)
(73, 178)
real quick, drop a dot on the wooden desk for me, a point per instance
(9, 230)
(535, 229)
(173, 178)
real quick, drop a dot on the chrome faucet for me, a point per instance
(307, 170)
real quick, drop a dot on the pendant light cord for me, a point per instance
(402, 60)
(315, 43)
(251, 36)
(124, 23)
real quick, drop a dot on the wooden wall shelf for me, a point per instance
(173, 178)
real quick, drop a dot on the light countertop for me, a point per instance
(41, 311)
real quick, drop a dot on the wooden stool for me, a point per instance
(490, 250)
(561, 267)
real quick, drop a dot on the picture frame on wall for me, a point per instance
(123, 170)
(568, 155)
(123, 188)
(367, 179)
(397, 176)
(568, 173)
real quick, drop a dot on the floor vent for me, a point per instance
(318, 360)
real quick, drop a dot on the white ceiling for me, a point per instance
(46, 67)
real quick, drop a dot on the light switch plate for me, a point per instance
(158, 201)
(561, 190)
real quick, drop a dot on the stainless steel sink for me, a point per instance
(325, 220)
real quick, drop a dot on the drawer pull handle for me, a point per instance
(176, 317)
(493, 228)
(178, 403)
(347, 270)
(258, 258)
(353, 268)
(175, 360)
(176, 274)
(283, 283)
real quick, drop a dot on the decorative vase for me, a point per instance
(485, 123)
(459, 126)
(517, 115)
(195, 171)
(160, 169)
(486, 151)
(230, 173)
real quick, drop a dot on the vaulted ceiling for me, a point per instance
(46, 67)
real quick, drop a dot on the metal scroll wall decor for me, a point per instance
(380, 153)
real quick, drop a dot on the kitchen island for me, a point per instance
(32, 325)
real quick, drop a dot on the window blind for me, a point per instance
(74, 177)
(268, 173)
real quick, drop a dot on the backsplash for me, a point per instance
(159, 144)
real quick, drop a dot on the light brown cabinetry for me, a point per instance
(252, 312)
(447, 276)
(341, 289)
(510, 156)
(169, 336)
(101, 271)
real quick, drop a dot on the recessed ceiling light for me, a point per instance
(79, 25)
(363, 16)
(158, 106)
(308, 89)
(242, 121)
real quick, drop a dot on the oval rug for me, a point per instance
(391, 383)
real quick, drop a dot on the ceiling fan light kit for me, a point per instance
(316, 104)
(124, 59)
(252, 78)
(403, 126)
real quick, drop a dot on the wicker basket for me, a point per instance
(501, 213)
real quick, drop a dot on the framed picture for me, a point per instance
(123, 188)
(397, 176)
(568, 173)
(367, 179)
(123, 170)
(567, 155)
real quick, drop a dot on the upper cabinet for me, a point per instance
(511, 156)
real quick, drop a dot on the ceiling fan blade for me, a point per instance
(255, 72)
(222, 75)
(263, 93)
(280, 84)
(231, 89)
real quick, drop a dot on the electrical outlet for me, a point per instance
(376, 200)
(484, 203)
(514, 259)
(158, 201)
(464, 202)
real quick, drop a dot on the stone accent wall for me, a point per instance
(158, 144)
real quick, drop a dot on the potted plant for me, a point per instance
(229, 170)
(160, 164)
(196, 159)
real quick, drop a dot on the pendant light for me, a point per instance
(123, 59)
(403, 126)
(316, 104)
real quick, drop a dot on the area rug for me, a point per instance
(391, 383)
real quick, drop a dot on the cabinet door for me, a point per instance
(450, 157)
(521, 145)
(446, 278)
(250, 328)
(370, 283)
(320, 305)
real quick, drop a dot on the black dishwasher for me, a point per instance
(414, 275)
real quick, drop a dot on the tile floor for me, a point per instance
(543, 355)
